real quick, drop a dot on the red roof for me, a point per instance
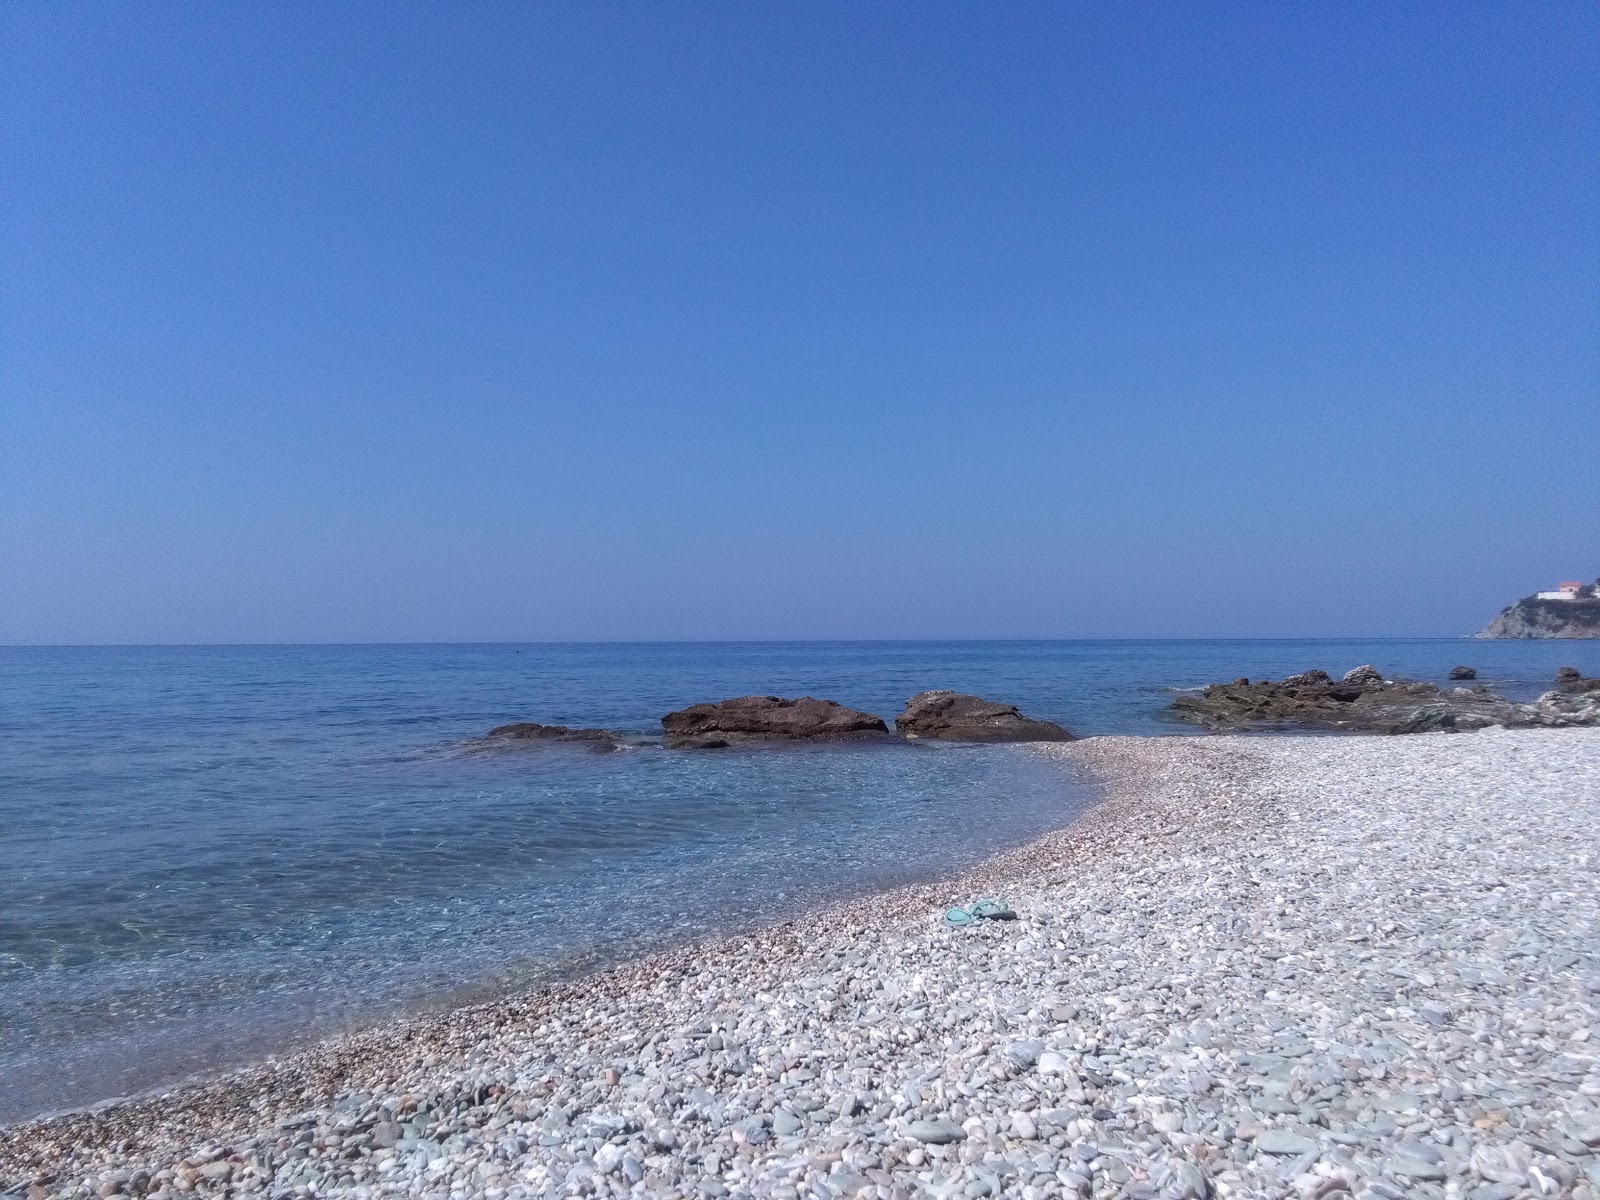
(1569, 583)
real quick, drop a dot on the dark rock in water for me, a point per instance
(1463, 672)
(525, 732)
(768, 719)
(1364, 702)
(954, 717)
(1570, 679)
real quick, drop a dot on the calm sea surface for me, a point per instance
(207, 853)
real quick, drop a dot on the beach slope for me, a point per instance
(1261, 967)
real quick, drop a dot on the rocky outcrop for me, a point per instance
(1570, 679)
(526, 733)
(1364, 702)
(955, 717)
(1535, 618)
(1463, 672)
(767, 719)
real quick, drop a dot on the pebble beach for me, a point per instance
(1262, 966)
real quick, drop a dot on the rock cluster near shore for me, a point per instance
(1363, 701)
(769, 720)
(1304, 968)
(955, 717)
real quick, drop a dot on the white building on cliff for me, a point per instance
(1564, 591)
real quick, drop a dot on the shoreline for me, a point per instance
(805, 1054)
(1046, 799)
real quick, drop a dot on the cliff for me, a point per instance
(1534, 618)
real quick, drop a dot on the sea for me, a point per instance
(211, 854)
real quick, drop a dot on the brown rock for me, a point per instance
(955, 717)
(767, 719)
(524, 733)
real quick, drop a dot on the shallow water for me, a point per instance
(209, 852)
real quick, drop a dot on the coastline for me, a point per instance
(1119, 1036)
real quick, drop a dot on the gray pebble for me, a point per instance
(937, 1133)
(1284, 1141)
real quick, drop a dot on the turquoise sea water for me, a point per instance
(207, 853)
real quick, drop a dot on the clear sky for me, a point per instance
(542, 321)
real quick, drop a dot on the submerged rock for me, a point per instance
(1463, 672)
(527, 732)
(767, 719)
(955, 717)
(1364, 702)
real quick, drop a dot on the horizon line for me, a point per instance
(775, 641)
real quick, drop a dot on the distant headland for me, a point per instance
(1572, 610)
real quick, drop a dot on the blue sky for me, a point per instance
(438, 322)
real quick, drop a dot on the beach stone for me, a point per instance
(1051, 1063)
(756, 719)
(1283, 1141)
(1503, 1164)
(1416, 1168)
(786, 1124)
(1023, 1126)
(1184, 1181)
(936, 1132)
(956, 717)
(1025, 1054)
(1364, 674)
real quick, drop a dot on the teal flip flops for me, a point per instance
(990, 910)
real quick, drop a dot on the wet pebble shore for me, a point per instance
(1262, 967)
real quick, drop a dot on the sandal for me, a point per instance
(989, 910)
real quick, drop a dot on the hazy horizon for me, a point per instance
(507, 324)
(723, 642)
